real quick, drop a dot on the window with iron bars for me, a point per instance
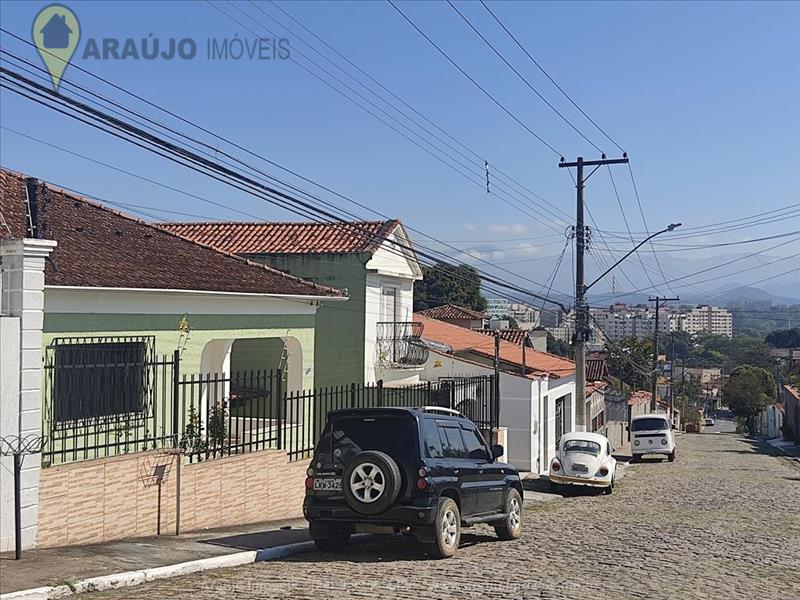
(97, 378)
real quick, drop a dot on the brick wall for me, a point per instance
(113, 498)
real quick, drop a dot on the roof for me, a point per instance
(596, 369)
(100, 247)
(451, 311)
(288, 238)
(461, 339)
(794, 391)
(639, 397)
(515, 336)
(595, 386)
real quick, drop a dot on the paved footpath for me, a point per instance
(722, 521)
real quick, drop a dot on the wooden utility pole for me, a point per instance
(654, 375)
(581, 309)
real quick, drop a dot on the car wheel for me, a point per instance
(553, 487)
(671, 456)
(371, 482)
(636, 458)
(447, 529)
(334, 541)
(511, 527)
(610, 489)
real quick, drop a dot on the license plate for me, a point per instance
(580, 468)
(328, 484)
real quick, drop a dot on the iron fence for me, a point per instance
(225, 414)
(113, 395)
(104, 396)
(472, 396)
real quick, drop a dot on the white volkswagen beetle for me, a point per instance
(583, 458)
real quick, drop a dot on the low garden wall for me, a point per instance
(113, 498)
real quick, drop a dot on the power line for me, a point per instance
(546, 74)
(506, 197)
(217, 151)
(475, 83)
(478, 157)
(242, 182)
(521, 76)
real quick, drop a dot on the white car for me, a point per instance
(652, 434)
(583, 459)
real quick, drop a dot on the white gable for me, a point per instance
(394, 258)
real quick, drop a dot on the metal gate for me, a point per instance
(559, 419)
(475, 398)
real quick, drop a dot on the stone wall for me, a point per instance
(114, 498)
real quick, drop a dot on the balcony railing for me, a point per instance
(399, 344)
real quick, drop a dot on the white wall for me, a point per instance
(21, 404)
(405, 312)
(169, 302)
(9, 422)
(521, 406)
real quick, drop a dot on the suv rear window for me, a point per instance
(649, 424)
(344, 438)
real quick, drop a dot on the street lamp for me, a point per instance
(670, 227)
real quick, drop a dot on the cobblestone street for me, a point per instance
(723, 521)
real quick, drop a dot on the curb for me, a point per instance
(129, 578)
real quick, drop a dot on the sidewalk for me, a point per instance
(66, 566)
(788, 448)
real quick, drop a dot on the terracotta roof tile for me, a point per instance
(461, 339)
(451, 311)
(100, 247)
(287, 238)
(596, 369)
(514, 336)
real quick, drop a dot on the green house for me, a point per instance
(369, 337)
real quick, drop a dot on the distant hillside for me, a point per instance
(743, 293)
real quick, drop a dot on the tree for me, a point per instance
(630, 361)
(748, 390)
(444, 283)
(558, 347)
(784, 338)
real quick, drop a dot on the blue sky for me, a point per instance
(702, 95)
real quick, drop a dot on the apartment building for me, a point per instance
(703, 319)
(619, 321)
(525, 315)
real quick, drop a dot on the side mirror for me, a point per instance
(497, 451)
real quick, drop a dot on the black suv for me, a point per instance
(426, 471)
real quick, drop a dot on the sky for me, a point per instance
(702, 96)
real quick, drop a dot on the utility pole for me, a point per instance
(581, 309)
(653, 375)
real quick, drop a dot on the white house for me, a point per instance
(536, 401)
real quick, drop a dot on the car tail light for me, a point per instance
(421, 484)
(309, 483)
(556, 465)
(603, 471)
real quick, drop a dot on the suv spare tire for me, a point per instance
(371, 482)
